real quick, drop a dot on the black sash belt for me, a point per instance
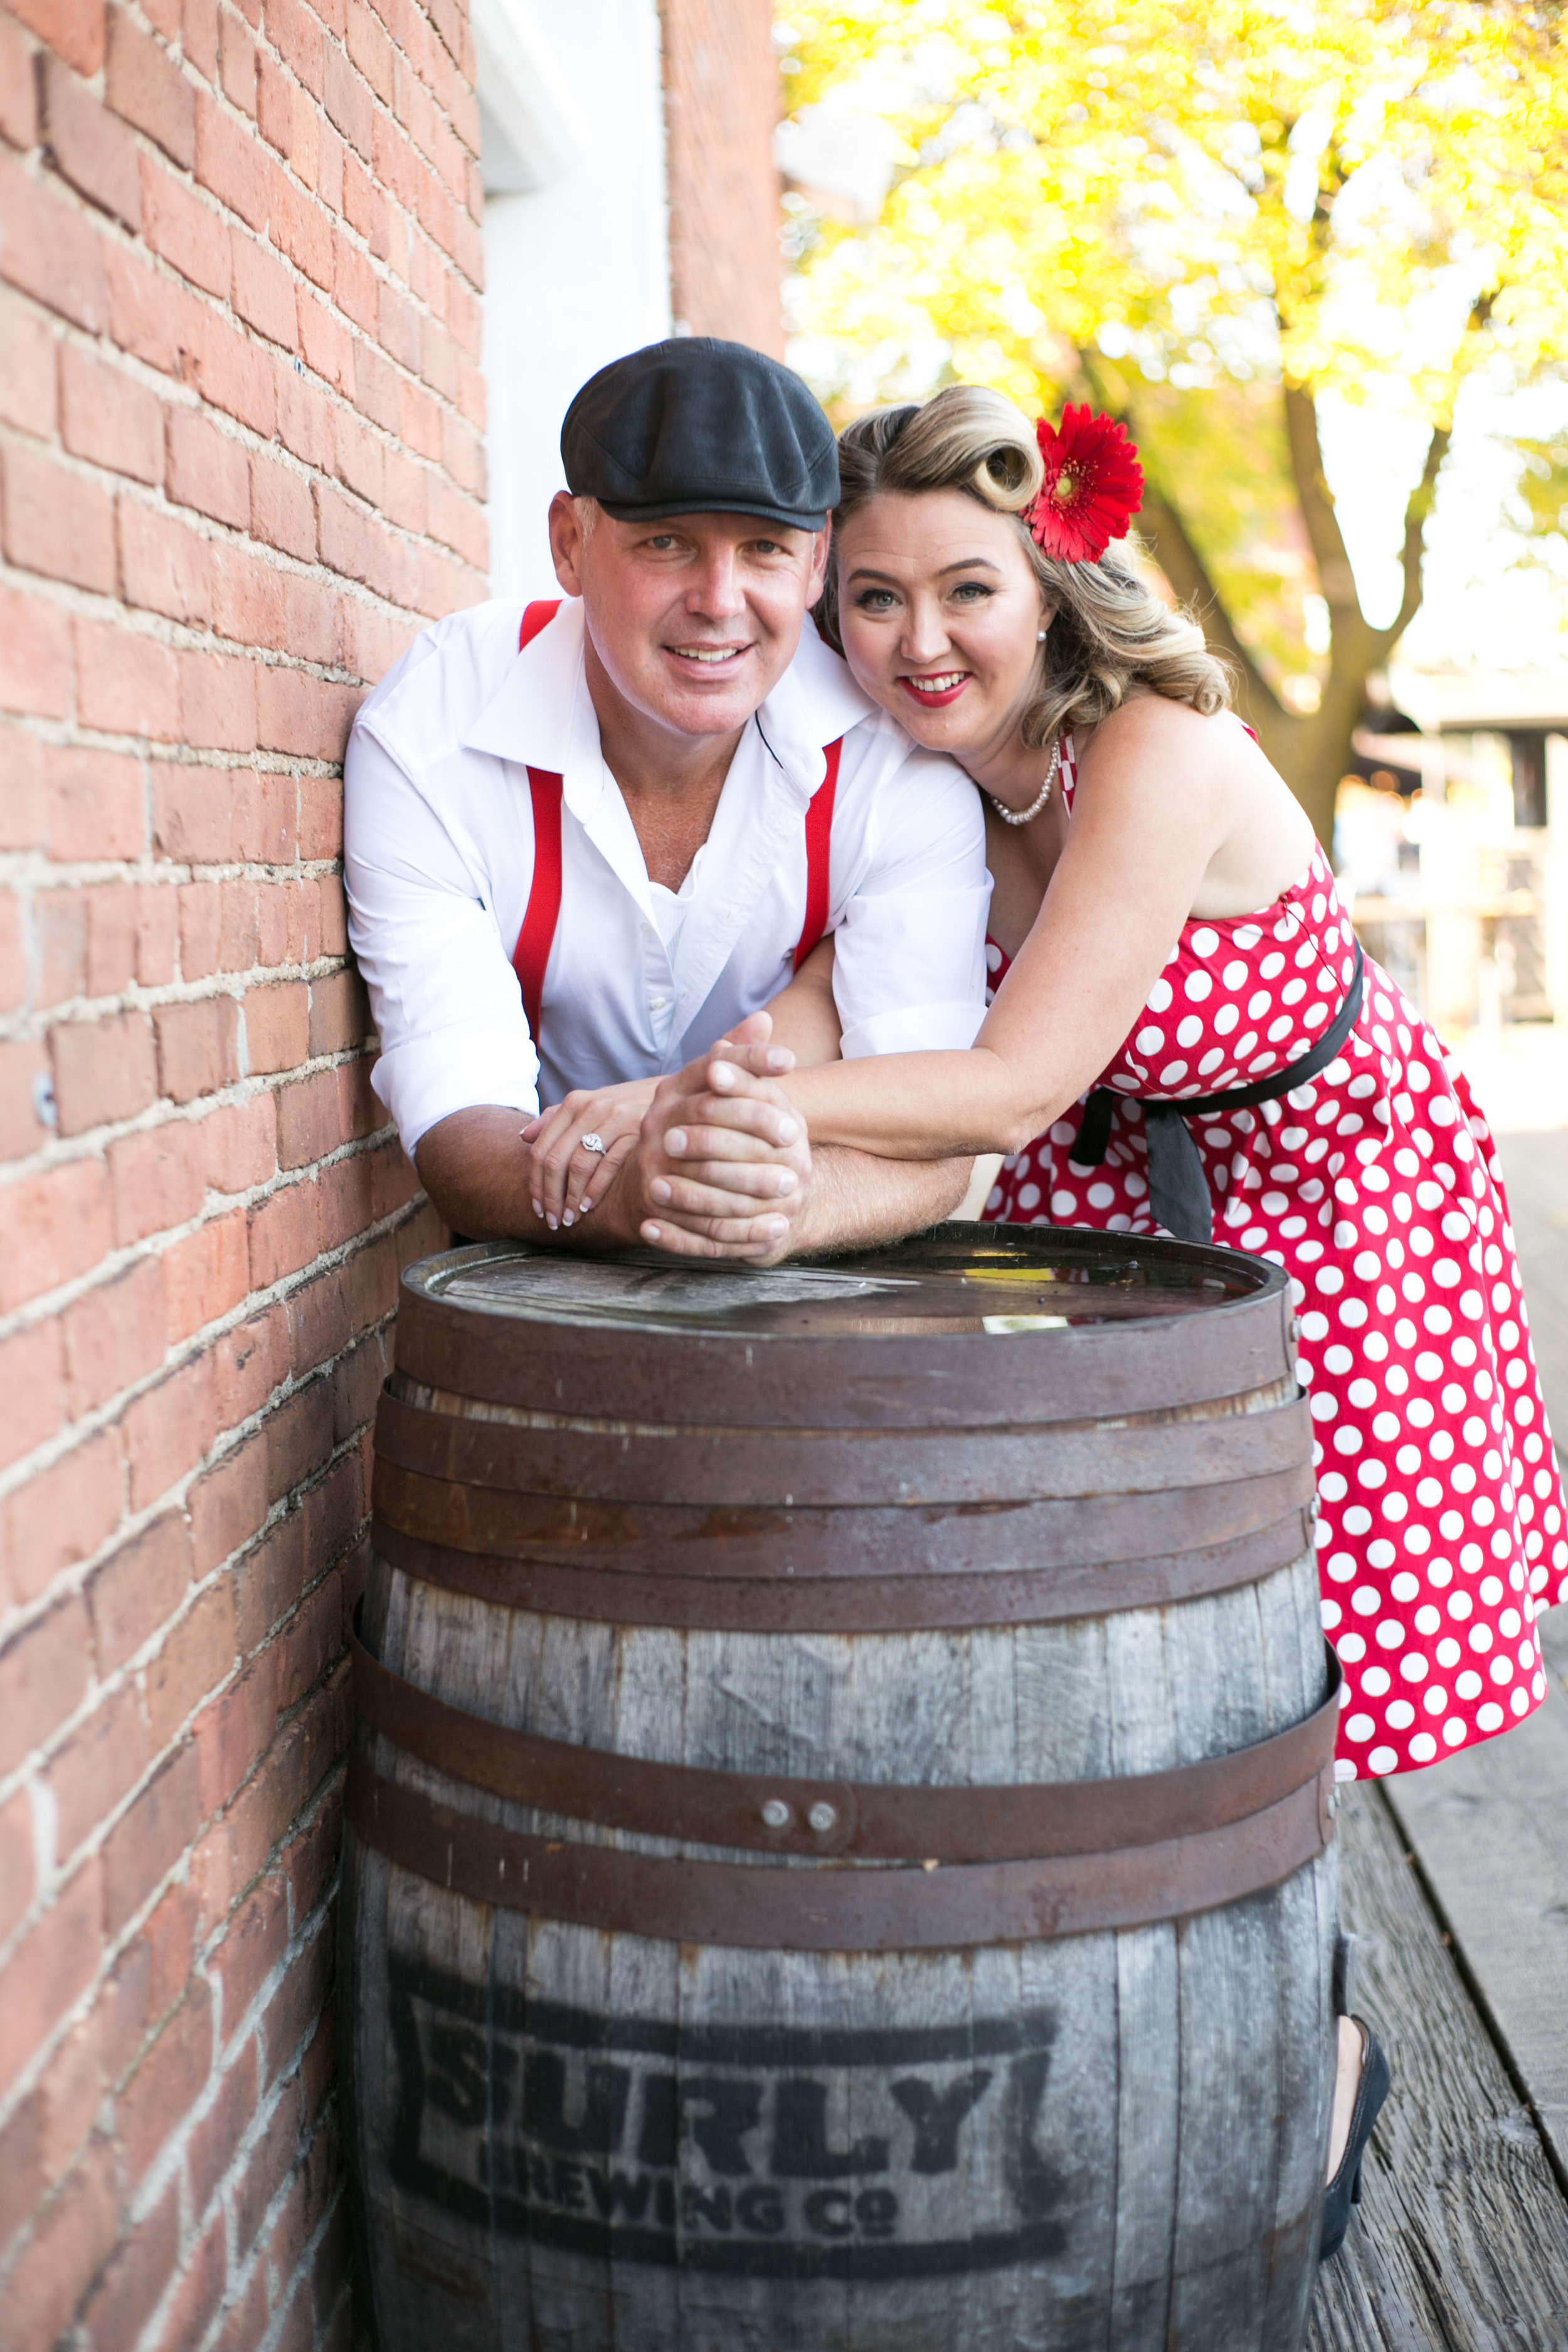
(1178, 1189)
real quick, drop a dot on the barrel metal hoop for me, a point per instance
(777, 1813)
(962, 1381)
(800, 1579)
(833, 1908)
(780, 1468)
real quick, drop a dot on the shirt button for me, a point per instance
(657, 1003)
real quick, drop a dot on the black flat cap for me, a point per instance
(697, 427)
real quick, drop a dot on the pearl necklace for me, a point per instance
(1022, 816)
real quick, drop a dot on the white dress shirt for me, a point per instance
(439, 861)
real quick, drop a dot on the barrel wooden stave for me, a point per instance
(1186, 2262)
(1170, 2130)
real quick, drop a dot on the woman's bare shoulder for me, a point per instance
(1149, 722)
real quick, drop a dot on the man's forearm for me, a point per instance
(475, 1170)
(858, 1200)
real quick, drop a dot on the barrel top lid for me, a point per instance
(1002, 1281)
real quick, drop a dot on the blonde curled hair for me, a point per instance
(1109, 632)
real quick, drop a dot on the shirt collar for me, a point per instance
(543, 716)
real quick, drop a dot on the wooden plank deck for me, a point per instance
(1455, 1882)
(1462, 2239)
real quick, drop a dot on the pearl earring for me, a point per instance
(1039, 637)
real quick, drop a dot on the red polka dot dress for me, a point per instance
(1376, 1186)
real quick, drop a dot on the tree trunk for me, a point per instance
(1312, 749)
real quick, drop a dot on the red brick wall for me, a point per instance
(721, 102)
(240, 421)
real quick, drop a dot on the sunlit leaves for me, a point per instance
(1361, 198)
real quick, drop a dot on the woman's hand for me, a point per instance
(564, 1180)
(724, 1163)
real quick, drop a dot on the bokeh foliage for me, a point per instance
(1207, 217)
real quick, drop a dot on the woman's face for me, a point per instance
(941, 613)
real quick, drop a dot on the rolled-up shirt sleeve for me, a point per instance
(445, 998)
(908, 972)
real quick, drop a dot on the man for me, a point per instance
(585, 841)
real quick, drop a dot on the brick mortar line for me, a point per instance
(301, 1935)
(154, 497)
(63, 1877)
(179, 392)
(35, 870)
(150, 25)
(213, 531)
(35, 162)
(177, 1874)
(33, 1027)
(105, 604)
(73, 1576)
(35, 867)
(282, 2317)
(93, 605)
(69, 1151)
(22, 1472)
(145, 620)
(210, 1335)
(65, 1868)
(45, 1457)
(236, 2282)
(155, 996)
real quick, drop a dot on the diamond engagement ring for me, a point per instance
(593, 1143)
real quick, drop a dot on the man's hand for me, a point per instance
(722, 1155)
(722, 1169)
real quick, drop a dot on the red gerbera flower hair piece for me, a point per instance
(1092, 490)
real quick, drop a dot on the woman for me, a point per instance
(1164, 930)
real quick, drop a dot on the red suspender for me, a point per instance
(819, 840)
(531, 953)
(537, 617)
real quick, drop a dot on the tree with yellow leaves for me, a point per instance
(1205, 219)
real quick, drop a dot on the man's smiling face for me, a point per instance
(694, 618)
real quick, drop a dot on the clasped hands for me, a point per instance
(712, 1162)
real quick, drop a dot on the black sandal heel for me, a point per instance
(1344, 2188)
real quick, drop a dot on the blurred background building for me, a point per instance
(629, 193)
(1451, 841)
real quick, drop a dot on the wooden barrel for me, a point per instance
(840, 1850)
